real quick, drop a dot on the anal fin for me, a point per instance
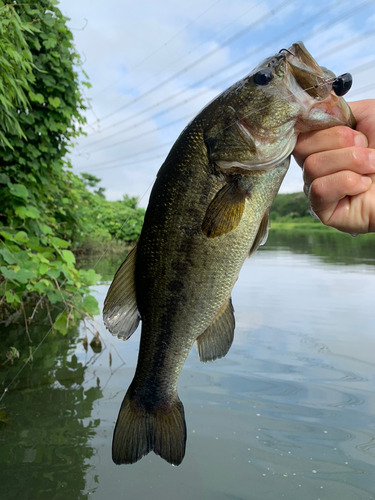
(216, 340)
(120, 312)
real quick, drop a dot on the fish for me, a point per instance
(208, 211)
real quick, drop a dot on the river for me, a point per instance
(289, 413)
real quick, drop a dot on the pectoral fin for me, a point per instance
(262, 233)
(225, 210)
(216, 340)
(120, 313)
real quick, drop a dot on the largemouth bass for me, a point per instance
(208, 211)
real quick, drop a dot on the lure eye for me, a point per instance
(263, 77)
(342, 84)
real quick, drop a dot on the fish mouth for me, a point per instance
(336, 108)
(311, 85)
(307, 72)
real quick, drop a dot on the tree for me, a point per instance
(293, 204)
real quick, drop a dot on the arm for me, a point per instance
(339, 171)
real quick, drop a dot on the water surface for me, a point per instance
(288, 413)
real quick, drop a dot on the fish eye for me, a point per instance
(342, 84)
(263, 77)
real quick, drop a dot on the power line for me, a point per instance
(128, 157)
(313, 33)
(310, 35)
(355, 70)
(248, 54)
(230, 40)
(363, 89)
(127, 164)
(148, 132)
(335, 49)
(196, 47)
(161, 47)
(353, 40)
(358, 69)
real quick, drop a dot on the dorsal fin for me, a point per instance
(262, 233)
(120, 312)
(216, 340)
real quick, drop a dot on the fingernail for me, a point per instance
(360, 140)
(366, 180)
(371, 158)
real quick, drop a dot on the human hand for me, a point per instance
(339, 171)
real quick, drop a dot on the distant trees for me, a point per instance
(293, 205)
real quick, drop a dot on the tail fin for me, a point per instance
(139, 431)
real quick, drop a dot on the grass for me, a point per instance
(299, 223)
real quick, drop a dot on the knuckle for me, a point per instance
(344, 136)
(310, 164)
(350, 179)
(318, 191)
(358, 158)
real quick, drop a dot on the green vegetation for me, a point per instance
(292, 205)
(47, 213)
(105, 220)
(291, 212)
(15, 71)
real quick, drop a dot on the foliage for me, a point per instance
(109, 219)
(15, 70)
(293, 204)
(40, 219)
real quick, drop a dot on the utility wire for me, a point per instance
(310, 35)
(343, 45)
(230, 40)
(363, 89)
(159, 48)
(128, 157)
(357, 69)
(314, 32)
(147, 132)
(335, 49)
(193, 50)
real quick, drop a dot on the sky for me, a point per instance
(154, 65)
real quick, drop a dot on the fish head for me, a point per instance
(254, 125)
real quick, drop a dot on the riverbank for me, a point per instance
(309, 224)
(300, 224)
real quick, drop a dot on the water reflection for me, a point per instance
(45, 448)
(331, 246)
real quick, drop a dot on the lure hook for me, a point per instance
(287, 50)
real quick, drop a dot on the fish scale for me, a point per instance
(208, 211)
